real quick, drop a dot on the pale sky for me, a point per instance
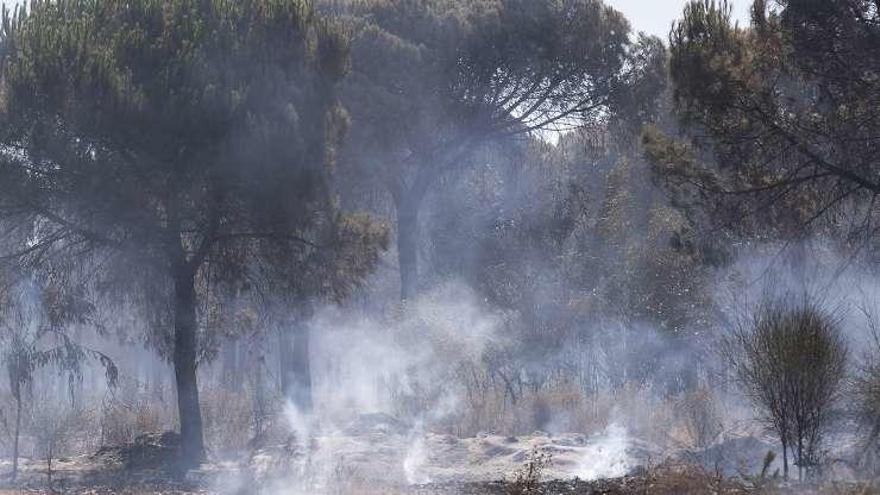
(656, 16)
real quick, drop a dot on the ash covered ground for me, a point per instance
(377, 453)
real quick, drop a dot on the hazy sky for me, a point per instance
(656, 16)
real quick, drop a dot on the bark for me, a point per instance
(800, 458)
(296, 373)
(259, 401)
(785, 460)
(50, 454)
(192, 441)
(231, 374)
(158, 385)
(408, 202)
(17, 436)
(407, 250)
(285, 356)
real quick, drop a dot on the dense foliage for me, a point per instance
(189, 141)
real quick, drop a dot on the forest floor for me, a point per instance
(667, 484)
(378, 455)
(683, 481)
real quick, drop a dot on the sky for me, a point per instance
(656, 16)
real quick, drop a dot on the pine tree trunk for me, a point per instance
(784, 460)
(407, 250)
(231, 374)
(158, 378)
(800, 458)
(192, 442)
(17, 436)
(296, 373)
(258, 402)
(285, 356)
(50, 453)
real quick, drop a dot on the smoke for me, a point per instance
(403, 363)
(416, 457)
(607, 455)
(387, 383)
(816, 269)
(558, 293)
(301, 425)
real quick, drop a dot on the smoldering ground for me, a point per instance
(411, 397)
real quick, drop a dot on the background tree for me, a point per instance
(576, 240)
(865, 390)
(782, 136)
(36, 320)
(433, 81)
(179, 150)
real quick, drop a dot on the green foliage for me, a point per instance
(154, 74)
(709, 60)
(440, 71)
(184, 135)
(175, 157)
(436, 83)
(577, 241)
(35, 336)
(780, 115)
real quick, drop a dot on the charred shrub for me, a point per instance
(527, 480)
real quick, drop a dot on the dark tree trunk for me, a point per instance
(407, 249)
(800, 458)
(784, 460)
(296, 372)
(192, 442)
(231, 373)
(50, 454)
(285, 356)
(17, 436)
(259, 400)
(158, 378)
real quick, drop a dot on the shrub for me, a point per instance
(790, 359)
